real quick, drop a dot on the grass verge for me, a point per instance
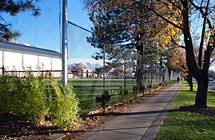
(184, 125)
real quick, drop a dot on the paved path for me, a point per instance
(140, 122)
(211, 86)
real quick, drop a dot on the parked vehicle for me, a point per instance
(211, 79)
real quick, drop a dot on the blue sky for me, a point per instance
(44, 31)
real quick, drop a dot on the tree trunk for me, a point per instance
(169, 74)
(190, 82)
(201, 95)
(139, 72)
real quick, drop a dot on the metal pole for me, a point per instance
(157, 73)
(64, 43)
(104, 68)
(124, 70)
(2, 70)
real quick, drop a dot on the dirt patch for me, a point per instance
(18, 128)
(210, 111)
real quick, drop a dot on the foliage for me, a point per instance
(135, 23)
(103, 99)
(88, 89)
(130, 26)
(13, 7)
(134, 93)
(187, 125)
(63, 105)
(28, 97)
(142, 89)
(149, 86)
(165, 83)
(124, 93)
(184, 14)
(24, 96)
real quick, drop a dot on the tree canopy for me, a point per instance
(13, 7)
(168, 22)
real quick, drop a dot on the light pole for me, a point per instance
(104, 67)
(64, 44)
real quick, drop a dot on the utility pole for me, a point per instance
(104, 67)
(64, 44)
(124, 69)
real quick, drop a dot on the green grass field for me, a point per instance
(183, 125)
(88, 89)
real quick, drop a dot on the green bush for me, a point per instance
(154, 86)
(142, 89)
(134, 92)
(165, 83)
(103, 99)
(124, 94)
(35, 100)
(23, 96)
(149, 86)
(32, 98)
(7, 94)
(63, 105)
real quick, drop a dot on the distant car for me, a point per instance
(211, 79)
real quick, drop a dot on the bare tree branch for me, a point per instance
(173, 3)
(165, 19)
(174, 42)
(203, 35)
(204, 14)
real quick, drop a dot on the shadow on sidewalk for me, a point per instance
(131, 113)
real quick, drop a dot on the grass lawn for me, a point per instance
(88, 89)
(183, 125)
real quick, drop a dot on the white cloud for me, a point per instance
(84, 61)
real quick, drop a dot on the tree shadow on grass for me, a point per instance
(209, 111)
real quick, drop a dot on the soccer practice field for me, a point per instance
(88, 89)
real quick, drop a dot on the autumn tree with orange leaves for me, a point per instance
(185, 11)
(179, 62)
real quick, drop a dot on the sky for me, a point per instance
(44, 31)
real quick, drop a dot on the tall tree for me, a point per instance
(179, 62)
(125, 23)
(184, 11)
(13, 7)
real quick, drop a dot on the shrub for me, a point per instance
(142, 89)
(63, 105)
(149, 86)
(155, 86)
(23, 96)
(8, 94)
(125, 95)
(103, 99)
(32, 98)
(134, 92)
(165, 83)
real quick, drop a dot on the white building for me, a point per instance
(20, 57)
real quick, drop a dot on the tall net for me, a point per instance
(90, 78)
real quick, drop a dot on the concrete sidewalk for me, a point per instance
(140, 122)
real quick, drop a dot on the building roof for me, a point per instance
(20, 48)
